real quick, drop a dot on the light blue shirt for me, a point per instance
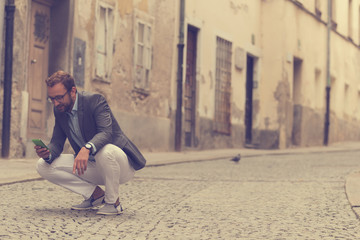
(75, 131)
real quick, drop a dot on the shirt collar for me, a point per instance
(75, 107)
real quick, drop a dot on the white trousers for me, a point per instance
(111, 168)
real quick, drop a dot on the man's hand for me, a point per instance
(80, 162)
(42, 152)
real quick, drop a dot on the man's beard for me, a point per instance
(64, 107)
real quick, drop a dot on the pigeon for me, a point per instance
(236, 158)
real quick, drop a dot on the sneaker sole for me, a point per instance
(97, 203)
(119, 210)
(75, 208)
(107, 214)
(88, 208)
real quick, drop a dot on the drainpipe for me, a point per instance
(180, 46)
(9, 11)
(328, 78)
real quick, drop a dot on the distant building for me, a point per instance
(250, 73)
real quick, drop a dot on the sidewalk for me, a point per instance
(19, 170)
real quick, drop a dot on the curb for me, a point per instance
(233, 152)
(29, 179)
(352, 190)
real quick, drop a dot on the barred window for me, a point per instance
(223, 86)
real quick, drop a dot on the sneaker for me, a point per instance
(110, 209)
(89, 203)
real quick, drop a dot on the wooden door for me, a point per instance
(38, 67)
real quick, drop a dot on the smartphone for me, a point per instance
(40, 143)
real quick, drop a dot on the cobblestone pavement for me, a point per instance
(268, 197)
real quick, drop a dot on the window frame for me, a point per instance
(223, 89)
(145, 61)
(109, 29)
(142, 86)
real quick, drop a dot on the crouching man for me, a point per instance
(103, 154)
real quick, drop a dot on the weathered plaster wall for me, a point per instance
(209, 139)
(272, 75)
(293, 32)
(238, 22)
(151, 113)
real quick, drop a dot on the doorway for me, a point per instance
(249, 99)
(190, 88)
(297, 108)
(50, 31)
(38, 67)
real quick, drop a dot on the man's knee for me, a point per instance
(109, 152)
(42, 167)
(104, 154)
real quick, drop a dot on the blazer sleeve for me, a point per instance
(57, 142)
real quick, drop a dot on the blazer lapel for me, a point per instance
(63, 120)
(81, 115)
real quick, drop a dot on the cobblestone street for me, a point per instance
(298, 196)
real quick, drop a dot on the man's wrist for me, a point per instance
(89, 147)
(47, 159)
(88, 150)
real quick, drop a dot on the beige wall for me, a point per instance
(239, 23)
(226, 20)
(293, 31)
(285, 32)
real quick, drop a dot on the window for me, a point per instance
(143, 55)
(223, 86)
(104, 41)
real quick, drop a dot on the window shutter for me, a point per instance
(104, 41)
(143, 30)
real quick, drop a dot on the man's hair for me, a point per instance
(61, 77)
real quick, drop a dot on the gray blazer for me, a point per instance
(97, 125)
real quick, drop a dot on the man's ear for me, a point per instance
(73, 90)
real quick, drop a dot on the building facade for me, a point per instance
(191, 75)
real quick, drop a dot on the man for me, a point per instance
(103, 154)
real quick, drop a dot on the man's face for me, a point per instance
(62, 99)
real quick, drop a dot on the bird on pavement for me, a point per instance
(236, 158)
